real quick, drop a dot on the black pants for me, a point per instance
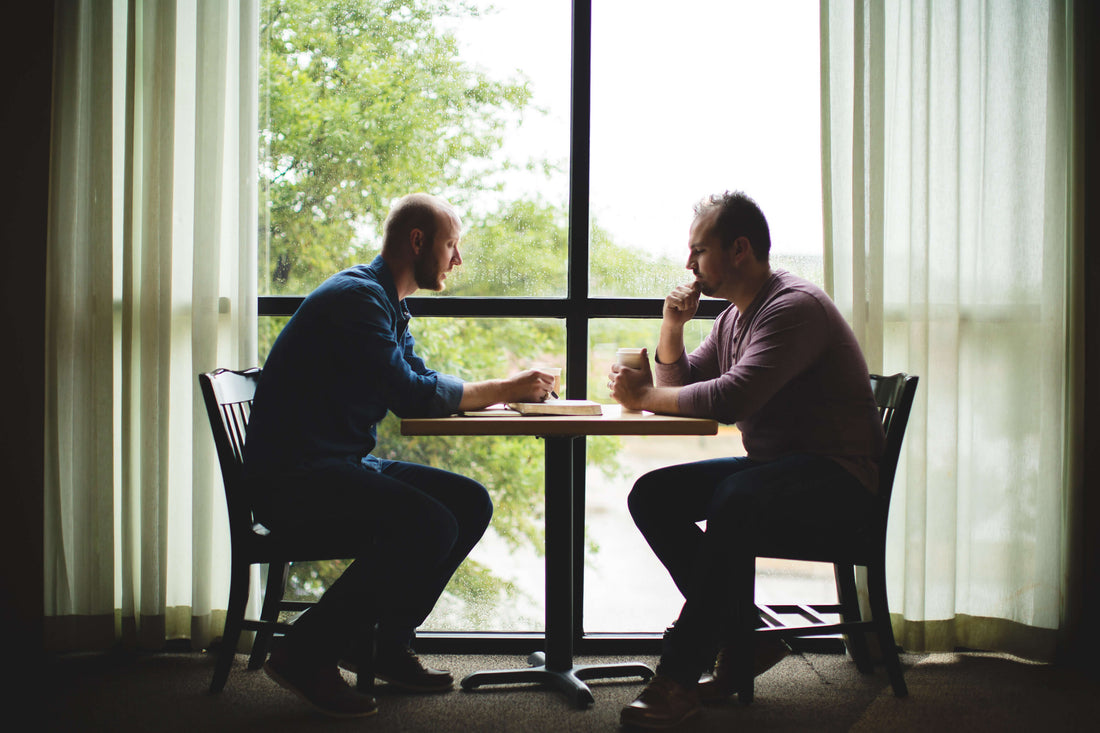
(745, 503)
(417, 525)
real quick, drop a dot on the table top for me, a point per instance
(613, 421)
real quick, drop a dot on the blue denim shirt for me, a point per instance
(343, 360)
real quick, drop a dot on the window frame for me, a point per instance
(577, 308)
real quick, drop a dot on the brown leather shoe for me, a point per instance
(664, 703)
(322, 687)
(722, 682)
(404, 670)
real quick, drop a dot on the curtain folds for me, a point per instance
(150, 280)
(946, 147)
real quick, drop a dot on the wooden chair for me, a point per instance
(228, 397)
(894, 397)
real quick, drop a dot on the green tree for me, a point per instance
(364, 101)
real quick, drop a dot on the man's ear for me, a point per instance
(740, 247)
(416, 239)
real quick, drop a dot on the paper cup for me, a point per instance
(553, 371)
(632, 358)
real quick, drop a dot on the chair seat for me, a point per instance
(824, 543)
(822, 546)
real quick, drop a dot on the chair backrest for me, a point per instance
(894, 397)
(228, 397)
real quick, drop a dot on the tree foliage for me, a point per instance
(365, 101)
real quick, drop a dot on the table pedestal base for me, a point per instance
(564, 533)
(570, 681)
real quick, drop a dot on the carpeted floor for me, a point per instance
(806, 692)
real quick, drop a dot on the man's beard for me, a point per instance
(426, 269)
(704, 288)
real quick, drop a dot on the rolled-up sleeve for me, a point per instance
(446, 390)
(448, 394)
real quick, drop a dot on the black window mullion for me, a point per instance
(576, 324)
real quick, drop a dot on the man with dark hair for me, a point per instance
(342, 362)
(783, 365)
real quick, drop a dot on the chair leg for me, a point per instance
(744, 574)
(234, 618)
(848, 599)
(277, 574)
(876, 584)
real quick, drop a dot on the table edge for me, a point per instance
(558, 425)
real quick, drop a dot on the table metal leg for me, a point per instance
(555, 667)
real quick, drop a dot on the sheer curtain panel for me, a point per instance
(946, 139)
(150, 279)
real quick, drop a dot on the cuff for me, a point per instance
(448, 394)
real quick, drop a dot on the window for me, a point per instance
(570, 243)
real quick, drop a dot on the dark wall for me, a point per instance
(25, 130)
(1083, 596)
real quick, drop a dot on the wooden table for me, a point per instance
(556, 667)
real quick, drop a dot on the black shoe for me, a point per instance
(404, 670)
(664, 703)
(320, 686)
(722, 682)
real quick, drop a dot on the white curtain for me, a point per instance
(151, 279)
(946, 145)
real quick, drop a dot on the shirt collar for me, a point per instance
(385, 278)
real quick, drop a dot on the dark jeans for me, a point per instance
(743, 502)
(417, 525)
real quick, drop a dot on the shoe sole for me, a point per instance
(290, 686)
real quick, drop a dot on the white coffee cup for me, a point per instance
(553, 371)
(632, 358)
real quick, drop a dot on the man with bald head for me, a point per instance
(343, 361)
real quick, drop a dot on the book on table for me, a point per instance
(549, 407)
(557, 407)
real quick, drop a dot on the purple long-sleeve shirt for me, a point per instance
(790, 374)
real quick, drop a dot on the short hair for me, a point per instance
(414, 211)
(738, 216)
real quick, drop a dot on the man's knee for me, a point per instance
(471, 504)
(484, 505)
(459, 517)
(647, 498)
